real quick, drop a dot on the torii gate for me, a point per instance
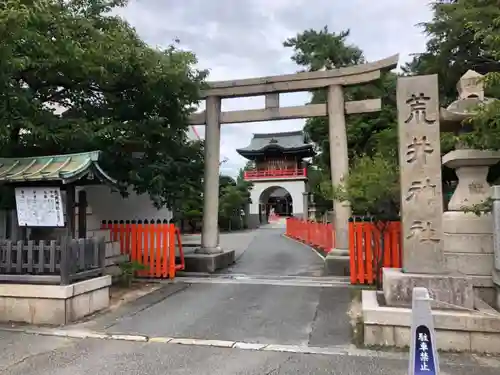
(271, 87)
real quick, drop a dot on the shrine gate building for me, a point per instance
(279, 175)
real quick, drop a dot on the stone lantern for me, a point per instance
(468, 238)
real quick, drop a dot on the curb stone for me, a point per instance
(348, 350)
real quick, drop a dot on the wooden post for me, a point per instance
(64, 267)
(82, 214)
(102, 254)
(70, 210)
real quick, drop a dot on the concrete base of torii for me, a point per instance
(209, 262)
(199, 258)
(337, 263)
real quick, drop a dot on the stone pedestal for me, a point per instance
(447, 291)
(468, 238)
(471, 167)
(463, 331)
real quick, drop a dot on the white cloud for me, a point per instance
(243, 39)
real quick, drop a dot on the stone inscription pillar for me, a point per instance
(209, 234)
(420, 170)
(339, 164)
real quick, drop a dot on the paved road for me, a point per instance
(272, 296)
(34, 355)
(269, 253)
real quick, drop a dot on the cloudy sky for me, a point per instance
(243, 39)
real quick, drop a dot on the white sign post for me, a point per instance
(39, 207)
(423, 351)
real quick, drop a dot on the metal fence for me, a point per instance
(51, 262)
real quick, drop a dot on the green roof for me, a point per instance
(57, 168)
(287, 142)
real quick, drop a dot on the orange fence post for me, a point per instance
(150, 243)
(158, 249)
(352, 253)
(182, 265)
(171, 252)
(360, 242)
(165, 249)
(133, 242)
(371, 244)
(369, 247)
(320, 235)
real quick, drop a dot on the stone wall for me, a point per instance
(53, 304)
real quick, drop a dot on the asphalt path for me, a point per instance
(34, 355)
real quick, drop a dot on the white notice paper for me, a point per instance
(39, 207)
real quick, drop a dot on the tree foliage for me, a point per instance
(460, 37)
(116, 93)
(463, 35)
(372, 187)
(234, 196)
(372, 134)
(320, 50)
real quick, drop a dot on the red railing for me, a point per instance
(315, 234)
(275, 173)
(152, 244)
(371, 247)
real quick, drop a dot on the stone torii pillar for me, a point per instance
(339, 164)
(209, 234)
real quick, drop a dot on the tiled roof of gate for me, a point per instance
(64, 168)
(288, 141)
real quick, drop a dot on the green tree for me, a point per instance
(234, 195)
(486, 125)
(367, 134)
(118, 94)
(460, 37)
(231, 204)
(463, 35)
(372, 188)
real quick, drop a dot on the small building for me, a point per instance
(279, 175)
(104, 204)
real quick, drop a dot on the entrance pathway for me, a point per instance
(270, 253)
(274, 294)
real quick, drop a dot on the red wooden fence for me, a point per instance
(152, 244)
(371, 246)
